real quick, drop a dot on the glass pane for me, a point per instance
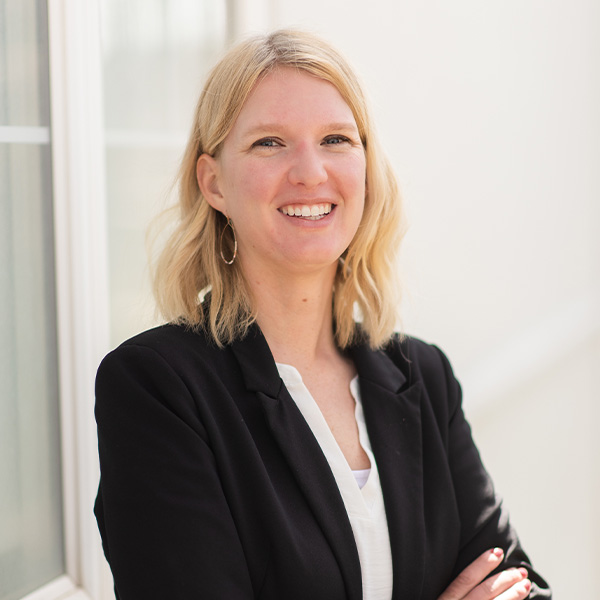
(24, 63)
(31, 543)
(31, 526)
(156, 54)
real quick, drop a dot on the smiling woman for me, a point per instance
(247, 101)
(264, 444)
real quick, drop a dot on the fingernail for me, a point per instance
(523, 572)
(498, 552)
(527, 584)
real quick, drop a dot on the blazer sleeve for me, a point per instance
(166, 528)
(484, 520)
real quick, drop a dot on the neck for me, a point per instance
(295, 316)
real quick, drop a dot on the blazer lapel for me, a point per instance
(393, 416)
(302, 452)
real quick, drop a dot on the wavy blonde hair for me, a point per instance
(191, 264)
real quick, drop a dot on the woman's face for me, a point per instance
(290, 175)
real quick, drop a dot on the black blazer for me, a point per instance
(213, 485)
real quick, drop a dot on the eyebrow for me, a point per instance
(265, 127)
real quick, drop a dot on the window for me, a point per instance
(31, 521)
(155, 56)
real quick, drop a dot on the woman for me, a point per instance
(263, 444)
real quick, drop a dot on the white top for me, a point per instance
(364, 503)
(361, 476)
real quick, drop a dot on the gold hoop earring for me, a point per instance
(228, 224)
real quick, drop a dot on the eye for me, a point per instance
(334, 140)
(266, 143)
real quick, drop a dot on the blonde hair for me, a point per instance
(191, 264)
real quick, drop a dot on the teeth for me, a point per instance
(316, 210)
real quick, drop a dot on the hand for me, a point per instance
(511, 584)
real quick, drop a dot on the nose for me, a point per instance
(308, 167)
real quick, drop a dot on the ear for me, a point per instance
(207, 174)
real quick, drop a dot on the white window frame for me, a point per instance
(81, 282)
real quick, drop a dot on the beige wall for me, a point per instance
(539, 441)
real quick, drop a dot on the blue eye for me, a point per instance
(266, 143)
(334, 140)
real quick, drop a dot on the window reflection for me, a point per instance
(156, 54)
(31, 524)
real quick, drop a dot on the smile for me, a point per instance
(317, 211)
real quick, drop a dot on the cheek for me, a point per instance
(251, 183)
(354, 179)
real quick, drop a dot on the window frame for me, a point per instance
(78, 181)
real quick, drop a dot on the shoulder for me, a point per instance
(169, 374)
(417, 359)
(171, 341)
(163, 353)
(166, 339)
(427, 366)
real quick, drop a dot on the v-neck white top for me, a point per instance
(364, 504)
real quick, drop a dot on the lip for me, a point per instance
(307, 221)
(306, 210)
(306, 202)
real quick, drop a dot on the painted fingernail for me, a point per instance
(498, 552)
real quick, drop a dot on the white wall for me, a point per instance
(489, 113)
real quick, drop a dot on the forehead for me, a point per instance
(287, 94)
